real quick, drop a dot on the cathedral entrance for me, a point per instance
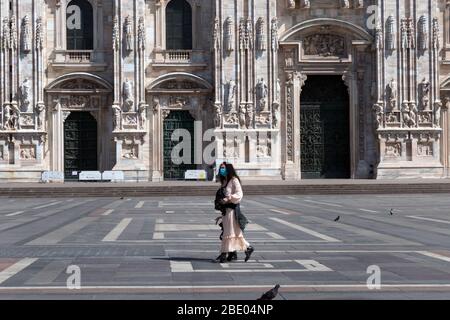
(325, 128)
(178, 119)
(80, 144)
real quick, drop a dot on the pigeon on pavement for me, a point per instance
(337, 219)
(271, 294)
(392, 212)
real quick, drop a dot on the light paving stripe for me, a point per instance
(275, 235)
(313, 265)
(222, 288)
(306, 230)
(367, 210)
(159, 220)
(158, 235)
(281, 211)
(49, 273)
(429, 219)
(434, 255)
(115, 233)
(48, 205)
(181, 266)
(15, 214)
(139, 205)
(107, 212)
(58, 235)
(324, 203)
(15, 269)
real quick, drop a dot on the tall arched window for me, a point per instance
(179, 25)
(79, 24)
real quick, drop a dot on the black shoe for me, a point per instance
(232, 256)
(248, 253)
(222, 258)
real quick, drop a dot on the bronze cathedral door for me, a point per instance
(325, 128)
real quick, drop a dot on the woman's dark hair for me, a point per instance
(231, 172)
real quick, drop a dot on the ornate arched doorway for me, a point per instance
(80, 116)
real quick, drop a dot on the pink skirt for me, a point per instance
(233, 238)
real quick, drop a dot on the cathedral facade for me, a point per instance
(284, 89)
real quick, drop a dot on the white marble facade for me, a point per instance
(241, 76)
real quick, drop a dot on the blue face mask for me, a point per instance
(223, 172)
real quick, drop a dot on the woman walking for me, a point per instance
(229, 198)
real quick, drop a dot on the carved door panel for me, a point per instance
(325, 129)
(177, 120)
(80, 144)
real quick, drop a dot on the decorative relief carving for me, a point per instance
(245, 34)
(393, 150)
(409, 111)
(424, 89)
(130, 151)
(26, 34)
(216, 34)
(437, 114)
(75, 102)
(425, 149)
(27, 152)
(27, 120)
(217, 115)
(345, 4)
(5, 34)
(379, 41)
(264, 147)
(379, 115)
(141, 34)
(391, 94)
(436, 42)
(117, 117)
(305, 4)
(13, 34)
(231, 96)
(2, 153)
(289, 58)
(180, 85)
(142, 116)
(324, 45)
(290, 116)
(291, 4)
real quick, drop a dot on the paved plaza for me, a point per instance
(161, 248)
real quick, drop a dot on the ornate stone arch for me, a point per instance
(85, 81)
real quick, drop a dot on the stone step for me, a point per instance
(209, 190)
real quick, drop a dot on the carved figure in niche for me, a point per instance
(274, 32)
(117, 117)
(278, 91)
(291, 4)
(130, 151)
(15, 116)
(142, 115)
(379, 37)
(392, 93)
(305, 4)
(325, 45)
(217, 115)
(26, 34)
(425, 94)
(228, 35)
(231, 96)
(25, 95)
(128, 94)
(156, 105)
(7, 116)
(216, 34)
(242, 115)
(27, 153)
(435, 33)
(40, 110)
(345, 4)
(379, 112)
(141, 34)
(437, 114)
(261, 95)
(359, 4)
(289, 59)
(13, 34)
(128, 26)
(115, 33)
(275, 120)
(249, 119)
(393, 150)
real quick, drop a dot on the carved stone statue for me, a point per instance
(392, 94)
(274, 32)
(242, 115)
(216, 34)
(390, 33)
(425, 94)
(117, 117)
(437, 113)
(115, 34)
(436, 43)
(128, 28)
(141, 34)
(305, 4)
(5, 34)
(231, 96)
(128, 94)
(26, 34)
(345, 4)
(40, 111)
(325, 45)
(142, 116)
(15, 116)
(423, 33)
(217, 115)
(261, 42)
(25, 95)
(7, 117)
(228, 35)
(39, 34)
(378, 110)
(13, 34)
(379, 41)
(261, 94)
(291, 4)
